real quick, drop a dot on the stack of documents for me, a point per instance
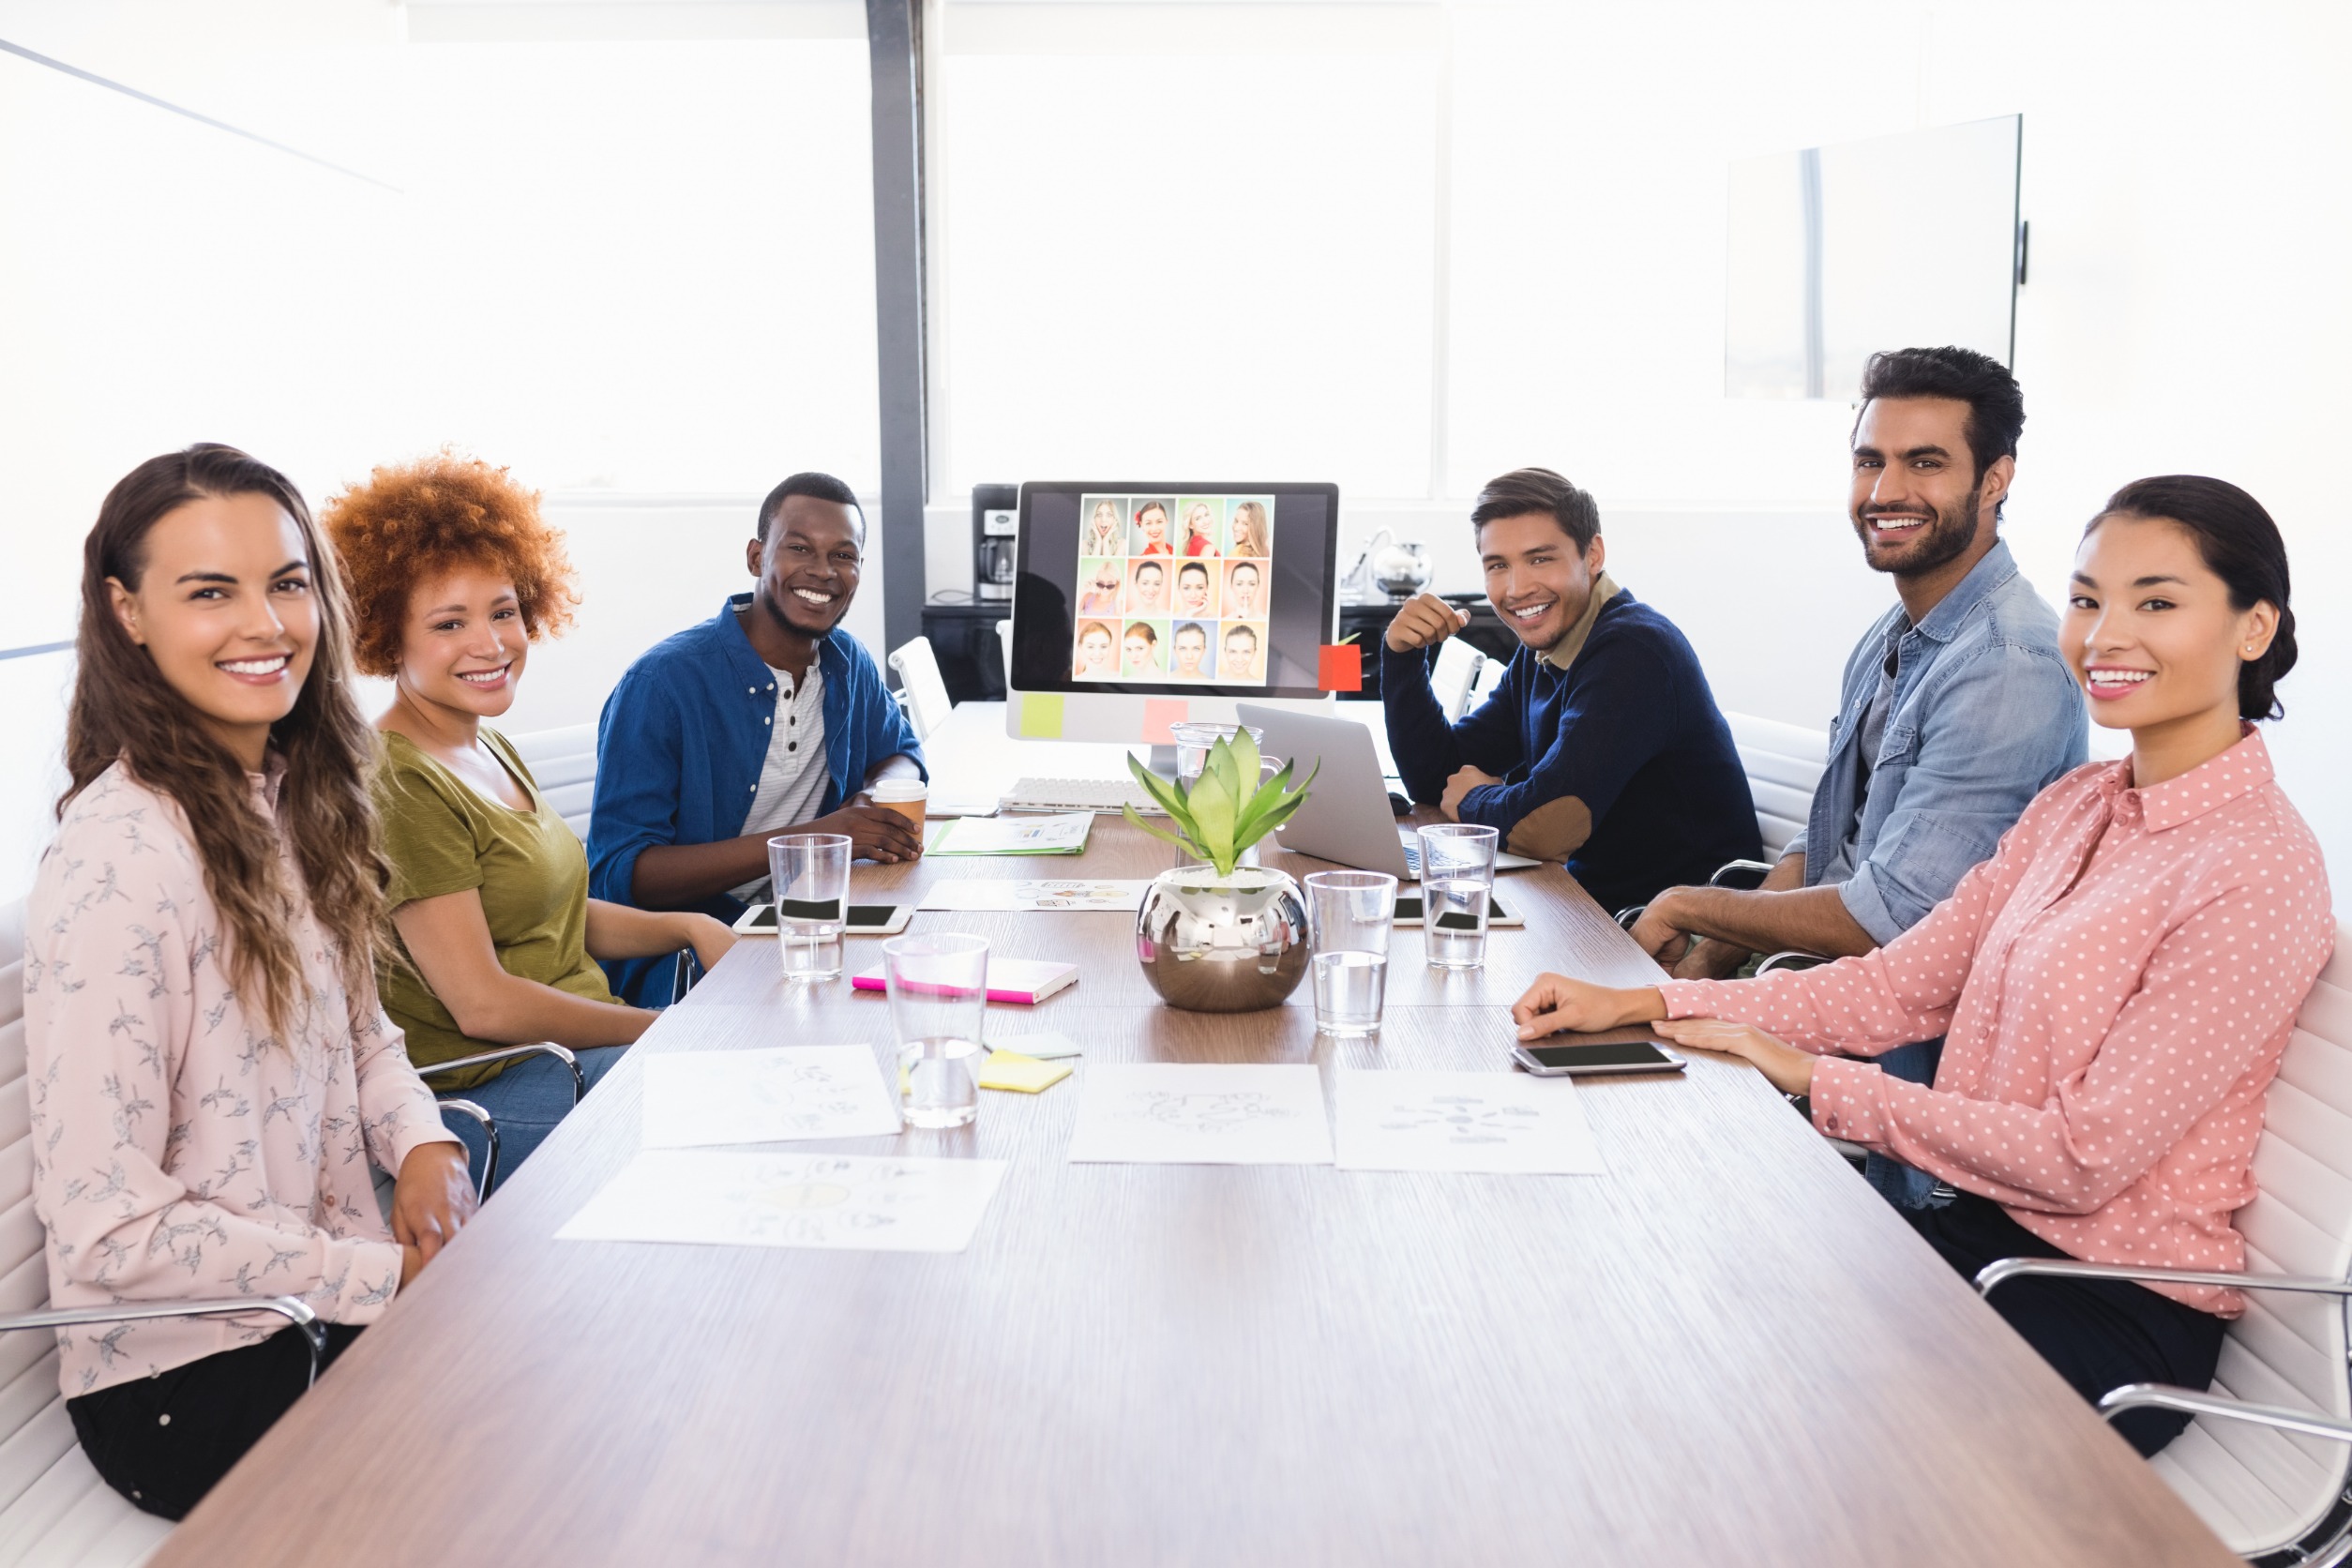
(1064, 834)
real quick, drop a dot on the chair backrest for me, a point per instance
(565, 763)
(1783, 761)
(1455, 676)
(1491, 676)
(928, 703)
(54, 1508)
(2259, 1489)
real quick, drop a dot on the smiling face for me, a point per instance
(1104, 583)
(1200, 521)
(1917, 503)
(808, 565)
(463, 645)
(1151, 587)
(1191, 645)
(1142, 652)
(1192, 590)
(1152, 520)
(1536, 578)
(2149, 630)
(225, 606)
(1094, 651)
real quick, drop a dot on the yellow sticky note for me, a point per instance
(1041, 715)
(1023, 1075)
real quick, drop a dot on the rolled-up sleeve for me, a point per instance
(2004, 725)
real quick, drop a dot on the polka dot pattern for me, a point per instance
(2115, 988)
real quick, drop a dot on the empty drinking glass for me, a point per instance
(939, 994)
(1350, 915)
(809, 875)
(1193, 742)
(1458, 884)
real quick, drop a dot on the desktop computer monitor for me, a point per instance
(1136, 606)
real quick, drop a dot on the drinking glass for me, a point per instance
(1350, 915)
(1193, 742)
(1458, 884)
(808, 875)
(939, 994)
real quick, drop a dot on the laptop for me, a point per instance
(1347, 816)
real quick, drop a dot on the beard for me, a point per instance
(1942, 539)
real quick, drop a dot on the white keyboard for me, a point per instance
(1079, 795)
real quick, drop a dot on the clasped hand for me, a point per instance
(433, 1198)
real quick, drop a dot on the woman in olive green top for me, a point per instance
(453, 576)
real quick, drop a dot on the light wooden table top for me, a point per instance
(1725, 1350)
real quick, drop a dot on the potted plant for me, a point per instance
(1222, 937)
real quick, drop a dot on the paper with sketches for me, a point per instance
(765, 1096)
(846, 1202)
(1063, 833)
(1494, 1121)
(1187, 1113)
(1027, 897)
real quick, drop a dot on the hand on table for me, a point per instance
(1556, 1002)
(1462, 783)
(875, 832)
(1426, 621)
(1789, 1069)
(433, 1198)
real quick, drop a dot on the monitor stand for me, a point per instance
(1163, 762)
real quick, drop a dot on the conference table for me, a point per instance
(1726, 1350)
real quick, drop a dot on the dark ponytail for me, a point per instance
(2242, 546)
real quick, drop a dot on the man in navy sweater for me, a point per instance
(1603, 748)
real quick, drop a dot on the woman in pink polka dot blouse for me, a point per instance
(2115, 986)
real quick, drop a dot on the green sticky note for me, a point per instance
(1041, 715)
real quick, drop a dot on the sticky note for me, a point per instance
(1041, 715)
(1023, 1075)
(1338, 668)
(1043, 1046)
(1159, 712)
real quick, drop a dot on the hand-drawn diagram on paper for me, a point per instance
(1185, 1113)
(765, 1096)
(850, 1202)
(1002, 894)
(1493, 1121)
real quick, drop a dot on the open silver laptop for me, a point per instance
(1347, 816)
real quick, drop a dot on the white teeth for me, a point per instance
(2119, 677)
(254, 666)
(813, 598)
(484, 677)
(1532, 611)
(1893, 525)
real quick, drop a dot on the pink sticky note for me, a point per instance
(1161, 712)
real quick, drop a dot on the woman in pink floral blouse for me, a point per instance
(211, 1075)
(2115, 986)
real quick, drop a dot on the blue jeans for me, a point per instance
(1900, 1185)
(526, 1101)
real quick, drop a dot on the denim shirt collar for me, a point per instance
(729, 622)
(1983, 580)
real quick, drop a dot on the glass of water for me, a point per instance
(939, 994)
(809, 873)
(1457, 885)
(1350, 915)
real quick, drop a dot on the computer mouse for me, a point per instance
(1399, 805)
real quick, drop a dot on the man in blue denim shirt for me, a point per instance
(1957, 708)
(766, 718)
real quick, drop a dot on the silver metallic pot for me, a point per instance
(1222, 945)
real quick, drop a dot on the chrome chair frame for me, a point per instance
(2330, 1543)
(293, 1311)
(489, 1173)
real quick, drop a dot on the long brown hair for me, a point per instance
(125, 710)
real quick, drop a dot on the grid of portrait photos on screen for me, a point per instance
(1173, 588)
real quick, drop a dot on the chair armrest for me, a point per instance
(1627, 917)
(489, 1139)
(2002, 1270)
(514, 1053)
(2164, 1396)
(1741, 874)
(1791, 959)
(682, 979)
(293, 1309)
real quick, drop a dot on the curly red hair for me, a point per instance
(413, 521)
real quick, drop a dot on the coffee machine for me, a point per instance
(995, 525)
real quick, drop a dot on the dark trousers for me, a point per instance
(162, 1441)
(2099, 1334)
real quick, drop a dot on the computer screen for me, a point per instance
(1164, 590)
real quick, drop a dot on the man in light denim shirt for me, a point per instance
(1956, 709)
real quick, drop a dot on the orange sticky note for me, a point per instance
(1340, 667)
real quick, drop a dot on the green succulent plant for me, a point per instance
(1226, 810)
